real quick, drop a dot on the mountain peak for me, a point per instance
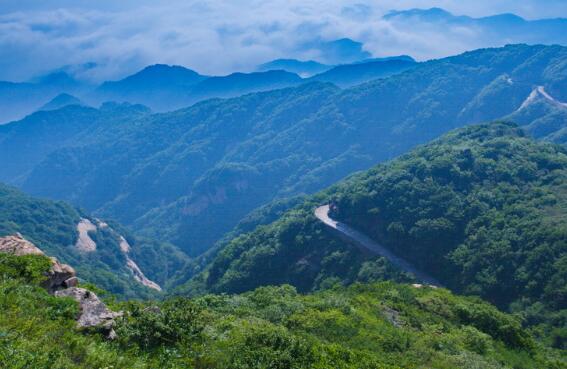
(157, 74)
(164, 68)
(431, 14)
(303, 68)
(60, 101)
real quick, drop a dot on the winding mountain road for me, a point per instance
(364, 242)
(540, 91)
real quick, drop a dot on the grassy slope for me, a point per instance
(371, 326)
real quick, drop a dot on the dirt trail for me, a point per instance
(364, 242)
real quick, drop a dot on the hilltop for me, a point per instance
(481, 209)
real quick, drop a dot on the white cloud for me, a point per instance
(219, 36)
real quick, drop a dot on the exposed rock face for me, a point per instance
(71, 282)
(18, 245)
(85, 243)
(57, 276)
(134, 268)
(94, 313)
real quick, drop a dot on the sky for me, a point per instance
(218, 37)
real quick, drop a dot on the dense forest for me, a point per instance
(52, 226)
(482, 209)
(283, 185)
(382, 325)
(208, 165)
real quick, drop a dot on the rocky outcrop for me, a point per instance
(18, 245)
(59, 275)
(62, 282)
(93, 312)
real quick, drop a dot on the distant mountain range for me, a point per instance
(19, 99)
(206, 166)
(165, 88)
(353, 74)
(302, 68)
(492, 30)
(310, 68)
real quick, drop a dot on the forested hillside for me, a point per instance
(483, 209)
(365, 326)
(353, 74)
(209, 165)
(52, 226)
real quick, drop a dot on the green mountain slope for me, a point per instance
(354, 74)
(166, 88)
(52, 226)
(190, 176)
(365, 326)
(482, 209)
(24, 144)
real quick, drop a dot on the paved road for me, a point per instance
(364, 242)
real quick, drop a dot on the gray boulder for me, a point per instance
(93, 312)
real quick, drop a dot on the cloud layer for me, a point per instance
(221, 36)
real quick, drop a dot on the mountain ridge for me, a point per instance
(473, 208)
(199, 169)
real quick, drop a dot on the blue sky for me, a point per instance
(219, 37)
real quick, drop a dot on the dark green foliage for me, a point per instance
(207, 166)
(353, 74)
(29, 269)
(483, 209)
(365, 326)
(47, 223)
(174, 321)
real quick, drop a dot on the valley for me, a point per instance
(283, 186)
(209, 165)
